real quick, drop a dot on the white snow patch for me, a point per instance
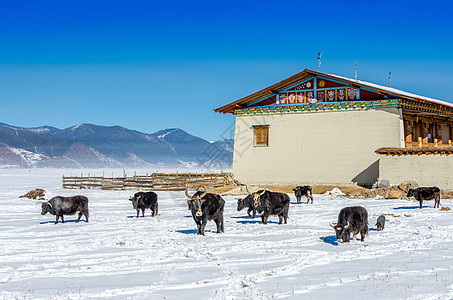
(118, 256)
(162, 136)
(40, 130)
(334, 192)
(29, 157)
(73, 128)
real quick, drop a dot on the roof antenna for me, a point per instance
(319, 60)
(355, 71)
(390, 75)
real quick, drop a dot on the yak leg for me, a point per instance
(363, 233)
(143, 212)
(264, 219)
(299, 200)
(421, 203)
(354, 236)
(280, 219)
(62, 219)
(156, 210)
(57, 216)
(202, 226)
(86, 216)
(218, 223)
(138, 212)
(308, 199)
(78, 219)
(250, 215)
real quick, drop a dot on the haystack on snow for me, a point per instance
(35, 194)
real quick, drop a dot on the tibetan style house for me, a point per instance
(316, 128)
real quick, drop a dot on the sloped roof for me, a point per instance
(305, 74)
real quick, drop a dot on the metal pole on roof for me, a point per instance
(355, 71)
(319, 60)
(390, 75)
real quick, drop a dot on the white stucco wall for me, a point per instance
(334, 147)
(426, 170)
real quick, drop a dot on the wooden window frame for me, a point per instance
(261, 135)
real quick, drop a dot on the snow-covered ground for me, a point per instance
(116, 256)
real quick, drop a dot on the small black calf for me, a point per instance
(380, 223)
(306, 191)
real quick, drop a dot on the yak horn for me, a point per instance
(347, 226)
(205, 192)
(334, 224)
(247, 189)
(46, 202)
(262, 193)
(187, 193)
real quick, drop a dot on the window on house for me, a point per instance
(261, 133)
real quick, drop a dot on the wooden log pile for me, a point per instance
(154, 181)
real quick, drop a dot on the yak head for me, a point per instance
(46, 207)
(410, 193)
(196, 202)
(135, 200)
(341, 231)
(380, 227)
(256, 196)
(243, 203)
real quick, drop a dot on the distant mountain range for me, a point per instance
(93, 146)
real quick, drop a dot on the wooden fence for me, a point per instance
(154, 181)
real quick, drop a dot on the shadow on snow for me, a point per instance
(193, 231)
(409, 207)
(255, 222)
(241, 217)
(66, 221)
(331, 239)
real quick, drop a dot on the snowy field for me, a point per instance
(116, 256)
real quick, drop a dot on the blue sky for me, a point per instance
(150, 65)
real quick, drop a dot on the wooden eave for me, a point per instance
(391, 151)
(273, 89)
(305, 74)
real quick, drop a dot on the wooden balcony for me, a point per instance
(424, 143)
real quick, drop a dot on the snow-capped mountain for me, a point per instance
(91, 146)
(11, 157)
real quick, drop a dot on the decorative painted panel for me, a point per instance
(352, 94)
(304, 86)
(321, 96)
(301, 97)
(331, 95)
(282, 98)
(341, 94)
(324, 84)
(291, 98)
(310, 97)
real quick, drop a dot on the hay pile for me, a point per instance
(35, 194)
(391, 192)
(445, 208)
